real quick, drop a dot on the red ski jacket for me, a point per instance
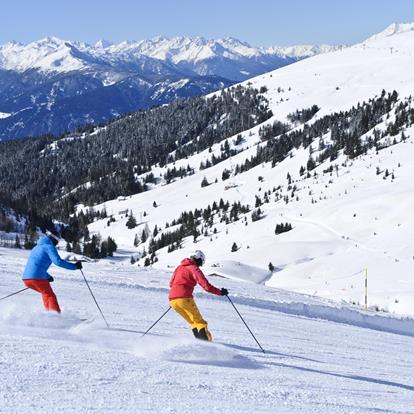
(185, 278)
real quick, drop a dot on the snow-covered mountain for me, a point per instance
(348, 215)
(348, 196)
(48, 55)
(229, 58)
(52, 54)
(340, 174)
(54, 85)
(393, 29)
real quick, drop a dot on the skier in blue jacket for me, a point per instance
(35, 275)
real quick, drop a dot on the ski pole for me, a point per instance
(157, 321)
(87, 284)
(245, 324)
(15, 293)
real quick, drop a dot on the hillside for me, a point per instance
(324, 145)
(345, 220)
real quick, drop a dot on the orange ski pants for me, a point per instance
(43, 286)
(187, 308)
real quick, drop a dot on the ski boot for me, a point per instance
(204, 335)
(195, 333)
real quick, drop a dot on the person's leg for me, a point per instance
(179, 306)
(43, 286)
(188, 309)
(199, 322)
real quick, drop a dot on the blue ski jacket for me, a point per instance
(42, 256)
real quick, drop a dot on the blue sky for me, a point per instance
(258, 22)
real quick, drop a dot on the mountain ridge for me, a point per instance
(53, 85)
(173, 50)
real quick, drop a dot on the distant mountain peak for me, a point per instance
(50, 41)
(103, 44)
(393, 29)
(50, 54)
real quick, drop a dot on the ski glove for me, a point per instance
(78, 265)
(50, 279)
(224, 292)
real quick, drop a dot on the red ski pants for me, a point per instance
(43, 286)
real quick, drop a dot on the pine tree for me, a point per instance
(104, 249)
(131, 222)
(195, 235)
(225, 175)
(76, 248)
(257, 214)
(27, 246)
(91, 249)
(112, 246)
(136, 240)
(204, 183)
(310, 165)
(144, 236)
(86, 235)
(30, 238)
(17, 244)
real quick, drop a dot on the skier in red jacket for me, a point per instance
(182, 284)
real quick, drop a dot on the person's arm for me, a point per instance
(55, 258)
(204, 283)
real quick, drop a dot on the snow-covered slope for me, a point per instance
(354, 218)
(311, 365)
(393, 29)
(338, 80)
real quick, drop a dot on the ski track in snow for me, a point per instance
(53, 361)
